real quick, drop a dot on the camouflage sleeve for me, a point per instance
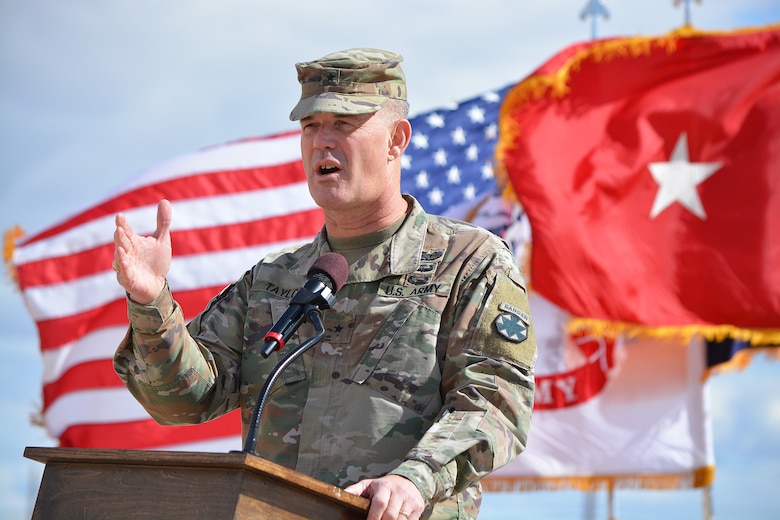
(169, 370)
(487, 381)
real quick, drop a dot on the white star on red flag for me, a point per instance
(678, 180)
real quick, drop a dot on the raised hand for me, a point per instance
(142, 263)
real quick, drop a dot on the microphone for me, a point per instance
(326, 276)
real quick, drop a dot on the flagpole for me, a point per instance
(686, 9)
(707, 510)
(611, 501)
(589, 506)
(593, 9)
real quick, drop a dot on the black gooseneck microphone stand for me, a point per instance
(315, 316)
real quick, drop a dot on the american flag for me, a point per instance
(232, 204)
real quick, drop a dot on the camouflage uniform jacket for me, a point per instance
(425, 370)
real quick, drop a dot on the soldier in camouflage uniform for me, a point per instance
(423, 382)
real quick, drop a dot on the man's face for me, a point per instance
(346, 159)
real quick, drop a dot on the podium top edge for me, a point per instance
(187, 459)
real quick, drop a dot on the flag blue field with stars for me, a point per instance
(450, 160)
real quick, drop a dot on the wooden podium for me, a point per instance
(129, 484)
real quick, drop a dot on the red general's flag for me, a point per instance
(650, 171)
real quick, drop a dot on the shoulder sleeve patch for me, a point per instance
(505, 329)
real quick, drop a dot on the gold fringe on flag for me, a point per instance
(605, 328)
(9, 244)
(697, 478)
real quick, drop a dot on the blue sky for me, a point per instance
(92, 93)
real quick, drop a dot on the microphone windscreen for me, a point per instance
(334, 266)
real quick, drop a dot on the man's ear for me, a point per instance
(399, 139)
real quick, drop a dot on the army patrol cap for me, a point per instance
(354, 81)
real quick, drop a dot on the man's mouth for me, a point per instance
(324, 170)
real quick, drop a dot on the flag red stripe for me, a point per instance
(147, 434)
(57, 270)
(184, 188)
(90, 375)
(61, 331)
(51, 271)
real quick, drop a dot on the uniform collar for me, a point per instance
(406, 248)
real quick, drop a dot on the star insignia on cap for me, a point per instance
(511, 327)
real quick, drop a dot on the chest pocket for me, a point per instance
(263, 312)
(401, 360)
(295, 371)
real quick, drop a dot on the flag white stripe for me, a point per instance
(47, 302)
(242, 207)
(196, 213)
(187, 273)
(101, 406)
(95, 346)
(232, 156)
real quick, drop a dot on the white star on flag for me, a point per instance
(420, 141)
(678, 179)
(476, 114)
(435, 120)
(459, 136)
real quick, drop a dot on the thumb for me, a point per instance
(164, 213)
(360, 489)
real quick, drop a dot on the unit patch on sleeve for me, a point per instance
(512, 327)
(505, 326)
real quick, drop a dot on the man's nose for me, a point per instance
(324, 138)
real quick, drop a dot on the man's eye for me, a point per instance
(345, 125)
